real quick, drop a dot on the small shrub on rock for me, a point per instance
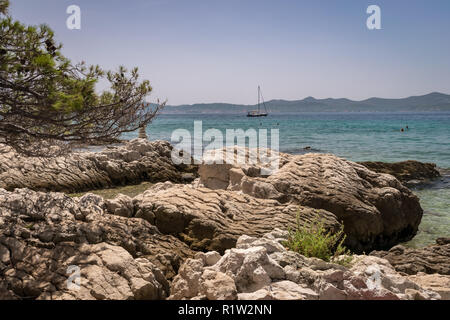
(314, 240)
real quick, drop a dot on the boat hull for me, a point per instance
(257, 115)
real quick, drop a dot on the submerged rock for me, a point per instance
(262, 269)
(408, 172)
(136, 161)
(43, 234)
(429, 260)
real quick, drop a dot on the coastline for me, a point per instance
(123, 177)
(97, 175)
(426, 180)
(214, 209)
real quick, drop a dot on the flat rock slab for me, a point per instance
(136, 161)
(435, 282)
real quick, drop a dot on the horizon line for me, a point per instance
(308, 97)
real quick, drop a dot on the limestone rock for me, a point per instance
(136, 161)
(122, 205)
(406, 171)
(263, 270)
(217, 286)
(377, 210)
(430, 260)
(42, 234)
(288, 290)
(435, 282)
(106, 272)
(252, 269)
(214, 219)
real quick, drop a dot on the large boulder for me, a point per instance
(262, 269)
(135, 161)
(429, 260)
(377, 210)
(43, 234)
(214, 219)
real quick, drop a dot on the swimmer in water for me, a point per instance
(402, 130)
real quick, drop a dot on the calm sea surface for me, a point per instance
(354, 136)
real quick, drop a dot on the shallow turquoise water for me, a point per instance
(436, 219)
(355, 136)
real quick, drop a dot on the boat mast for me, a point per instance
(259, 93)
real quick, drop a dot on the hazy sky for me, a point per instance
(196, 51)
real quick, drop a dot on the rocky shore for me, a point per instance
(218, 237)
(134, 162)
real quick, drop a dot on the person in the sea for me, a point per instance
(402, 130)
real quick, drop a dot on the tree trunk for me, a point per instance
(143, 133)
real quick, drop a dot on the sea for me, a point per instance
(355, 136)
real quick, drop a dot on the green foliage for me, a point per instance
(44, 61)
(314, 240)
(4, 4)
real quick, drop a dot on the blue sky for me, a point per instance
(198, 51)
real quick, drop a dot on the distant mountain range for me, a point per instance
(431, 102)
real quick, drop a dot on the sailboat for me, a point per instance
(258, 113)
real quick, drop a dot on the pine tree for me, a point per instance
(48, 104)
